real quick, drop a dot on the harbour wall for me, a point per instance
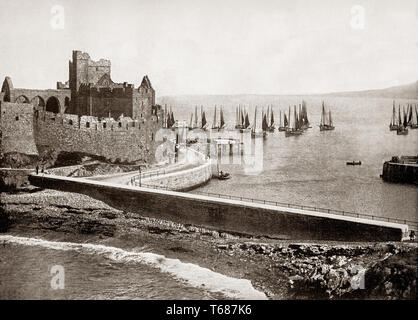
(400, 172)
(182, 180)
(227, 215)
(185, 178)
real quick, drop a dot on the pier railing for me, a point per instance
(413, 225)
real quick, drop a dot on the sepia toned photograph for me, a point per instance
(204, 150)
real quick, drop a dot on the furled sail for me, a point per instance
(222, 121)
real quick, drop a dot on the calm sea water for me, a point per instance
(311, 169)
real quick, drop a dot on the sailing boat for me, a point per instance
(326, 122)
(237, 124)
(264, 124)
(296, 130)
(415, 125)
(410, 115)
(214, 124)
(191, 122)
(304, 116)
(393, 126)
(170, 119)
(242, 118)
(222, 120)
(402, 129)
(193, 125)
(195, 118)
(271, 126)
(254, 132)
(239, 119)
(246, 121)
(203, 117)
(282, 128)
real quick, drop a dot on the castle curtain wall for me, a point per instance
(76, 118)
(16, 128)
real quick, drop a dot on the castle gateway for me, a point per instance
(89, 113)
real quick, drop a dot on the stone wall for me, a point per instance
(16, 128)
(125, 140)
(64, 171)
(227, 215)
(399, 172)
(41, 97)
(11, 179)
(105, 101)
(182, 180)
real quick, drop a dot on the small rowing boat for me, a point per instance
(353, 163)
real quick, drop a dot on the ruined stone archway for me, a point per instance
(6, 88)
(53, 105)
(38, 101)
(22, 99)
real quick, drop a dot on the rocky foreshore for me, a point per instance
(281, 269)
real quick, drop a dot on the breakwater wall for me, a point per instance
(400, 172)
(227, 215)
(182, 180)
(196, 170)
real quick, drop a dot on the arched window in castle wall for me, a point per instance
(22, 99)
(53, 105)
(38, 104)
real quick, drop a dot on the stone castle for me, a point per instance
(89, 113)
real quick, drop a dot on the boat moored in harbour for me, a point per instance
(353, 163)
(326, 122)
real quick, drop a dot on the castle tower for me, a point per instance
(144, 99)
(83, 70)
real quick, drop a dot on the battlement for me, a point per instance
(92, 123)
(79, 55)
(119, 89)
(88, 123)
(122, 138)
(61, 85)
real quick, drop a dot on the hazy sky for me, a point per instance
(217, 47)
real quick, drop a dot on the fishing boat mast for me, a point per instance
(214, 119)
(222, 120)
(255, 120)
(195, 117)
(203, 120)
(330, 119)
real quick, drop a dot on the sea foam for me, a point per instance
(192, 274)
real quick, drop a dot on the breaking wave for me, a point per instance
(193, 274)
